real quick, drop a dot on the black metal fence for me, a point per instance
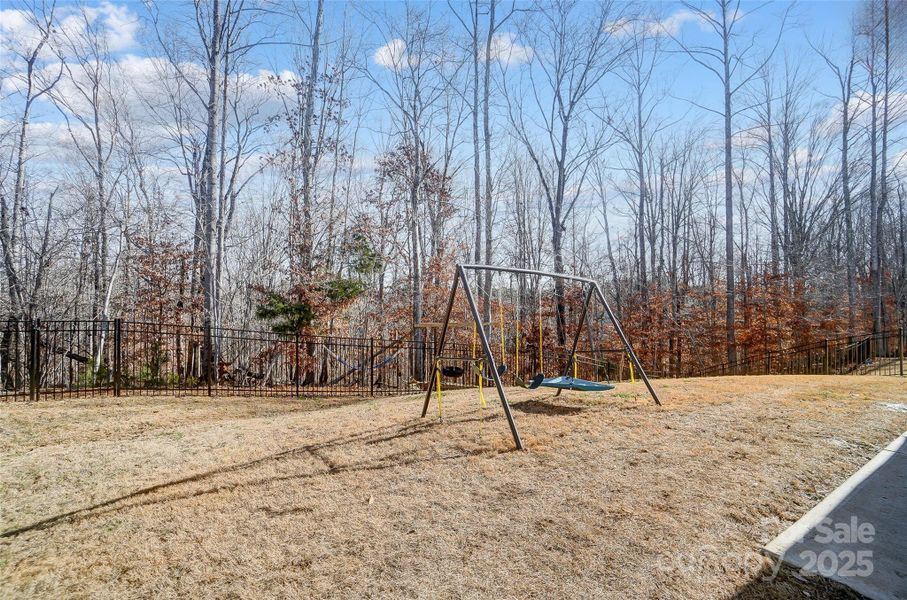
(867, 354)
(72, 358)
(87, 358)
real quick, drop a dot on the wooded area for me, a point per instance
(195, 182)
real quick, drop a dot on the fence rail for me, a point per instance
(89, 358)
(72, 358)
(867, 354)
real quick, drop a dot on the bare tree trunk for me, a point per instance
(486, 122)
(476, 153)
(848, 203)
(875, 243)
(641, 210)
(730, 284)
(307, 140)
(879, 304)
(902, 235)
(718, 59)
(11, 216)
(416, 276)
(772, 192)
(209, 195)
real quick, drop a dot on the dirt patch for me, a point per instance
(616, 498)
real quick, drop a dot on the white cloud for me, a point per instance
(17, 31)
(618, 27)
(858, 110)
(672, 24)
(391, 55)
(669, 26)
(121, 26)
(118, 24)
(506, 50)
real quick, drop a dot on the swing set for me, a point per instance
(486, 363)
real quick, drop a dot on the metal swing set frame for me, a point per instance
(591, 288)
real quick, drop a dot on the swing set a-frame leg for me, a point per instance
(486, 349)
(439, 350)
(623, 338)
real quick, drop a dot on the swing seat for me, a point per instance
(568, 383)
(501, 370)
(452, 371)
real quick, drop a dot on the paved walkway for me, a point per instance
(857, 536)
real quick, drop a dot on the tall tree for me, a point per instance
(728, 63)
(843, 73)
(636, 127)
(212, 151)
(574, 47)
(91, 104)
(24, 260)
(310, 158)
(411, 81)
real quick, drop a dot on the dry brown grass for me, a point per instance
(247, 497)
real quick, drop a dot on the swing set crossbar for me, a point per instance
(594, 290)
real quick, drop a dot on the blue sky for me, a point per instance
(826, 24)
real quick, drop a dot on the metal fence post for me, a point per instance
(30, 354)
(371, 368)
(117, 356)
(209, 355)
(296, 361)
(34, 359)
(901, 349)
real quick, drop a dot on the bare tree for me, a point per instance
(843, 73)
(213, 118)
(637, 127)
(24, 260)
(728, 62)
(91, 104)
(483, 55)
(308, 157)
(412, 83)
(573, 52)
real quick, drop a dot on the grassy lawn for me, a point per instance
(251, 497)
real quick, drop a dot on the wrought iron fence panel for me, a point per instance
(64, 358)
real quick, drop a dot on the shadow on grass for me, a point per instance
(540, 407)
(788, 584)
(316, 450)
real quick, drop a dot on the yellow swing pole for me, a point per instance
(438, 388)
(475, 334)
(481, 389)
